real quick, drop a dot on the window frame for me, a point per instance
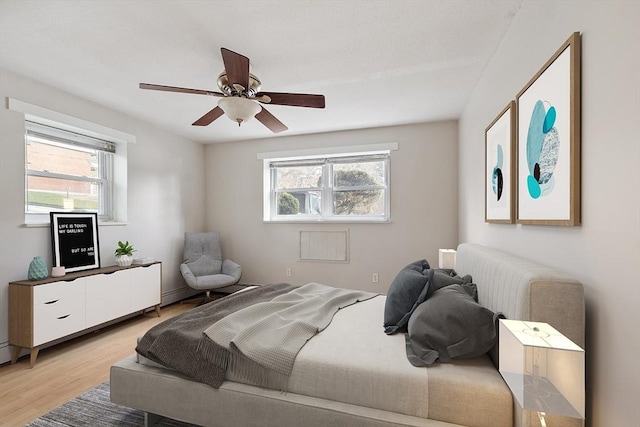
(327, 158)
(44, 116)
(104, 151)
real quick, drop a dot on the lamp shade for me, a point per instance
(543, 368)
(447, 258)
(239, 109)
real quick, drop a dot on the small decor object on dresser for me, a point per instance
(58, 271)
(124, 254)
(37, 269)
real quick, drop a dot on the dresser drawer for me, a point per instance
(58, 311)
(56, 290)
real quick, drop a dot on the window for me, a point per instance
(339, 187)
(67, 171)
(72, 165)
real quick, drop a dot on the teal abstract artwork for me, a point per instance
(497, 179)
(543, 147)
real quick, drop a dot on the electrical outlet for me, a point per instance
(288, 272)
(374, 277)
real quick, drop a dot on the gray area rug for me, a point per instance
(94, 408)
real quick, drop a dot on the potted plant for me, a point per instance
(124, 254)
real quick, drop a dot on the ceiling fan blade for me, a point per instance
(269, 120)
(294, 99)
(209, 117)
(179, 89)
(237, 68)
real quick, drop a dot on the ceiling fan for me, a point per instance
(240, 93)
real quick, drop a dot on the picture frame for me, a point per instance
(500, 173)
(74, 237)
(548, 134)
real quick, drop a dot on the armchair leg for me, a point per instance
(199, 300)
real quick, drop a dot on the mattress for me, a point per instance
(354, 362)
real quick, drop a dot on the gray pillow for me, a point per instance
(406, 292)
(439, 278)
(448, 325)
(419, 265)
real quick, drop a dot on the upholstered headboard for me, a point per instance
(524, 290)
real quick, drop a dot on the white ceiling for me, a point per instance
(378, 63)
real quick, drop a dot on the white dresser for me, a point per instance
(46, 310)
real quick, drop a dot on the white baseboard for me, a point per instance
(5, 352)
(176, 295)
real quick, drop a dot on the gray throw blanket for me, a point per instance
(174, 342)
(179, 343)
(260, 343)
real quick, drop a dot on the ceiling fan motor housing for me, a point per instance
(237, 90)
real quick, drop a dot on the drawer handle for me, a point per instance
(70, 280)
(64, 317)
(109, 272)
(52, 302)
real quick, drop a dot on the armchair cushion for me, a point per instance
(232, 269)
(188, 275)
(214, 281)
(202, 253)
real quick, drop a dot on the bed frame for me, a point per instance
(519, 288)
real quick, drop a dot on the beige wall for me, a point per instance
(423, 208)
(604, 253)
(165, 191)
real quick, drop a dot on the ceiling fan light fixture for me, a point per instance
(239, 109)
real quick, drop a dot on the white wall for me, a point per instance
(604, 253)
(423, 208)
(165, 192)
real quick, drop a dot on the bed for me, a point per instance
(353, 374)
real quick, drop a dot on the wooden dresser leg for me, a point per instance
(34, 356)
(158, 309)
(15, 354)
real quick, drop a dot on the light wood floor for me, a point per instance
(68, 369)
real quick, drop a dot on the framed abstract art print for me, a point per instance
(499, 155)
(549, 141)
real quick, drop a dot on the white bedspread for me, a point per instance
(335, 364)
(328, 367)
(260, 343)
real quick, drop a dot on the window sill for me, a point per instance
(327, 221)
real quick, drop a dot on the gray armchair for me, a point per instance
(203, 267)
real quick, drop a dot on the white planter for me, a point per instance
(124, 260)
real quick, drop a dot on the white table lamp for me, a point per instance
(543, 368)
(447, 258)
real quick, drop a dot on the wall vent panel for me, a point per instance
(329, 246)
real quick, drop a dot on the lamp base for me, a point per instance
(527, 418)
